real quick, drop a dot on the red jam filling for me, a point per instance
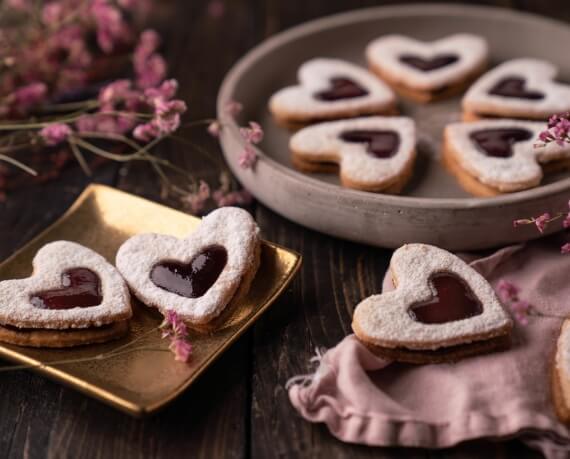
(194, 279)
(80, 289)
(498, 142)
(427, 65)
(454, 301)
(381, 144)
(515, 87)
(341, 88)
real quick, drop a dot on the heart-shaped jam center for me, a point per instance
(498, 143)
(515, 87)
(341, 88)
(193, 279)
(381, 144)
(80, 289)
(427, 65)
(454, 301)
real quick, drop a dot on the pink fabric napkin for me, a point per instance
(365, 399)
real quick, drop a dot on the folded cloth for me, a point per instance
(363, 398)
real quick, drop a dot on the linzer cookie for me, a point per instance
(520, 88)
(196, 277)
(74, 296)
(561, 374)
(491, 157)
(428, 71)
(441, 310)
(331, 89)
(371, 154)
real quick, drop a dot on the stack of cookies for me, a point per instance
(359, 135)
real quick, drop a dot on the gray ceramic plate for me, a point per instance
(433, 208)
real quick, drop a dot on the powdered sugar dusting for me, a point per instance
(231, 227)
(49, 264)
(519, 171)
(384, 320)
(384, 54)
(297, 103)
(538, 76)
(321, 141)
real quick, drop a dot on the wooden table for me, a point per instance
(239, 408)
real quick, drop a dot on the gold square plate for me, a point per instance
(142, 381)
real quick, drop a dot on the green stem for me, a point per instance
(18, 164)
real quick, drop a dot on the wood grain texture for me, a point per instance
(239, 408)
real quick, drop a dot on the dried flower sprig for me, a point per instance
(557, 131)
(50, 99)
(175, 330)
(521, 309)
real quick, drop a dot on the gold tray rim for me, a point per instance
(108, 397)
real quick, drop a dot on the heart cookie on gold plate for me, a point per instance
(331, 89)
(519, 88)
(372, 153)
(441, 310)
(74, 296)
(196, 277)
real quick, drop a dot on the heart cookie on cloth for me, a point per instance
(331, 89)
(441, 310)
(561, 374)
(427, 71)
(74, 296)
(520, 88)
(371, 153)
(490, 157)
(196, 277)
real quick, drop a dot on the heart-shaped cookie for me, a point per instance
(331, 89)
(372, 153)
(561, 374)
(197, 277)
(490, 157)
(439, 308)
(426, 71)
(519, 88)
(71, 287)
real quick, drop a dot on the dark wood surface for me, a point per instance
(239, 408)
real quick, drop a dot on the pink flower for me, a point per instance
(248, 157)
(52, 13)
(182, 349)
(146, 132)
(507, 290)
(30, 95)
(55, 133)
(22, 5)
(111, 29)
(175, 329)
(233, 198)
(196, 201)
(253, 133)
(566, 221)
(150, 67)
(521, 310)
(541, 221)
(558, 130)
(166, 91)
(214, 128)
(565, 249)
(233, 108)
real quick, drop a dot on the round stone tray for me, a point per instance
(433, 208)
